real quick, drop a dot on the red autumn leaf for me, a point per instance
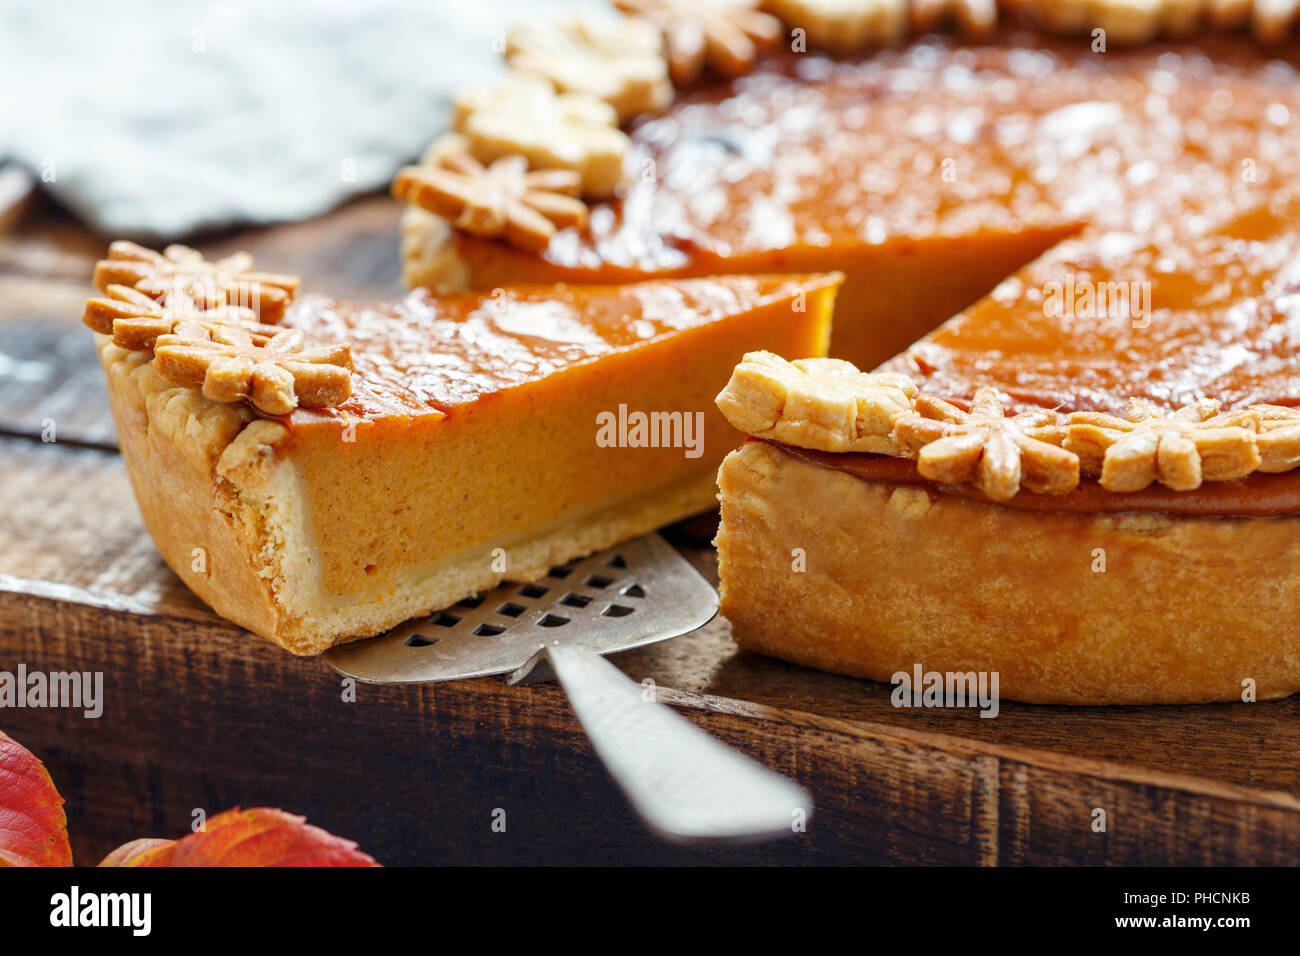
(33, 826)
(259, 836)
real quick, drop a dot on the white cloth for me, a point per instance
(157, 119)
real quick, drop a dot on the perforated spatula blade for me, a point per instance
(638, 593)
(685, 784)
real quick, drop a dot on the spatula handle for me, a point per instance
(683, 782)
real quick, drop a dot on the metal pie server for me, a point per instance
(685, 784)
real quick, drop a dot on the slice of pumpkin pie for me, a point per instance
(319, 471)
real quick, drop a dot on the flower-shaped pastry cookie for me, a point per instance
(135, 321)
(503, 199)
(820, 404)
(621, 62)
(276, 376)
(1278, 437)
(525, 116)
(1180, 450)
(724, 34)
(998, 453)
(183, 272)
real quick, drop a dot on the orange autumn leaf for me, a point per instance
(259, 836)
(147, 851)
(33, 826)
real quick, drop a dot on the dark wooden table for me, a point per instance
(200, 715)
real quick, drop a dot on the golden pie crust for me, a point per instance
(870, 578)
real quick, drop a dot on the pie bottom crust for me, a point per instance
(225, 509)
(1133, 608)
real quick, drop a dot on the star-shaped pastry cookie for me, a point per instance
(724, 34)
(1277, 438)
(974, 18)
(525, 116)
(135, 321)
(1180, 449)
(620, 62)
(504, 199)
(819, 404)
(277, 376)
(998, 453)
(183, 272)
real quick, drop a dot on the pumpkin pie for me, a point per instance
(319, 471)
(1097, 504)
(1078, 479)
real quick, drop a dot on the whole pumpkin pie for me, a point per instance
(319, 471)
(1083, 481)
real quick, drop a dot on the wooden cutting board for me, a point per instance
(199, 715)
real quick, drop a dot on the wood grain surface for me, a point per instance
(199, 715)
